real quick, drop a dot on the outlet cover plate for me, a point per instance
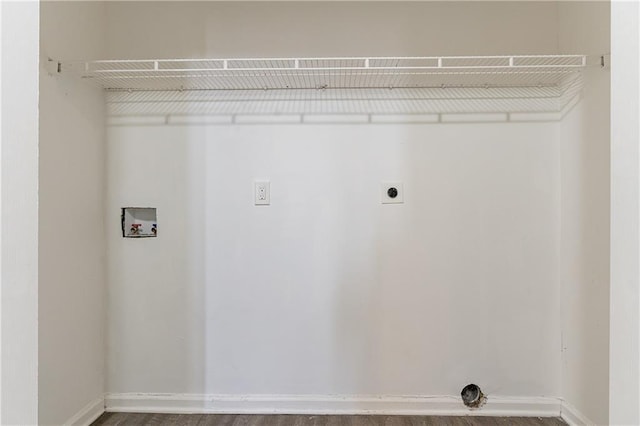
(262, 193)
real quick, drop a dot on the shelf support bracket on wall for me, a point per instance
(53, 67)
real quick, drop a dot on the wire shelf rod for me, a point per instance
(358, 63)
(278, 70)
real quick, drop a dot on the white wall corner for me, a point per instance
(573, 417)
(88, 414)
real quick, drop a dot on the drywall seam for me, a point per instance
(88, 414)
(573, 416)
(329, 404)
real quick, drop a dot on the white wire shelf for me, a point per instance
(332, 73)
(374, 85)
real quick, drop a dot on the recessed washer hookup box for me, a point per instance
(139, 222)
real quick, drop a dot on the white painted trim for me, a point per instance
(624, 293)
(329, 404)
(88, 414)
(20, 52)
(573, 417)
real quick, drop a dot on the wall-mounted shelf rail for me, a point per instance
(387, 85)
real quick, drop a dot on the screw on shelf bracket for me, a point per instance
(601, 61)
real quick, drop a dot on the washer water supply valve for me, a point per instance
(135, 229)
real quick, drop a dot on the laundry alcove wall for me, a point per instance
(327, 300)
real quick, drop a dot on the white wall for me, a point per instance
(191, 311)
(71, 245)
(274, 29)
(584, 271)
(19, 200)
(625, 254)
(327, 291)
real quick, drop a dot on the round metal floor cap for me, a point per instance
(471, 394)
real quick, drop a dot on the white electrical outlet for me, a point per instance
(391, 193)
(262, 194)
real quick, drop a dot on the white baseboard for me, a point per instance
(88, 414)
(573, 417)
(328, 404)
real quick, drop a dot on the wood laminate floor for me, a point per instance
(134, 419)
